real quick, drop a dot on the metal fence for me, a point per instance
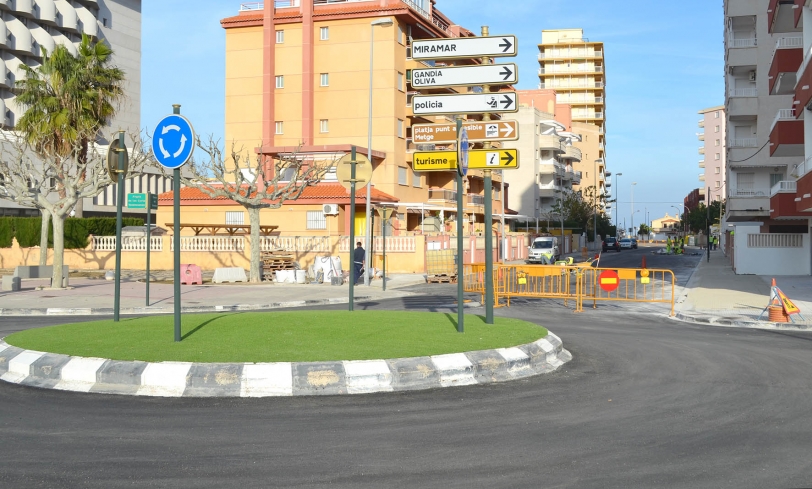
(577, 283)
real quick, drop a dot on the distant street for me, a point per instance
(647, 402)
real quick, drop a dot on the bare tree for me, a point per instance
(253, 181)
(54, 181)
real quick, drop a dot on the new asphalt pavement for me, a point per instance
(647, 401)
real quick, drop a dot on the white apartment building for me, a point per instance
(28, 25)
(767, 96)
(546, 157)
(712, 153)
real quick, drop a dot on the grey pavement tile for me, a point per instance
(413, 373)
(213, 380)
(319, 378)
(118, 372)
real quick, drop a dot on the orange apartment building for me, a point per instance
(297, 80)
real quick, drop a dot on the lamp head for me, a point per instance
(383, 22)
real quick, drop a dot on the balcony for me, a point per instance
(784, 187)
(563, 69)
(744, 92)
(701, 163)
(786, 135)
(787, 58)
(551, 143)
(442, 194)
(476, 199)
(569, 54)
(747, 42)
(748, 193)
(549, 189)
(784, 201)
(701, 177)
(572, 153)
(701, 123)
(803, 94)
(702, 150)
(781, 16)
(701, 136)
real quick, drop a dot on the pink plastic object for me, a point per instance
(190, 274)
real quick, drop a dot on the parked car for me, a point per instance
(611, 244)
(544, 250)
(626, 243)
(634, 243)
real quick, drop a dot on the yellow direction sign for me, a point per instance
(478, 159)
(477, 132)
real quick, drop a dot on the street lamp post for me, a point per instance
(633, 184)
(383, 22)
(617, 204)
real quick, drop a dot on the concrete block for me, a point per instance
(190, 274)
(165, 379)
(454, 369)
(413, 373)
(80, 374)
(37, 271)
(489, 366)
(367, 376)
(11, 283)
(214, 380)
(319, 378)
(267, 379)
(229, 274)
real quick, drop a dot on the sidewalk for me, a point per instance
(714, 294)
(95, 296)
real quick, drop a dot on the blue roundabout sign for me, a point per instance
(173, 141)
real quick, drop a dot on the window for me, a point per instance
(400, 81)
(235, 217)
(400, 128)
(716, 157)
(496, 193)
(400, 34)
(716, 115)
(104, 21)
(745, 181)
(402, 176)
(716, 143)
(325, 79)
(416, 180)
(280, 37)
(280, 81)
(279, 127)
(775, 178)
(717, 170)
(324, 33)
(316, 220)
(324, 125)
(716, 129)
(718, 185)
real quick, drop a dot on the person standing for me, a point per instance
(358, 257)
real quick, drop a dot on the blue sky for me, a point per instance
(664, 62)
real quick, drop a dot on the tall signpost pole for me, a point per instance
(120, 177)
(172, 145)
(486, 117)
(149, 239)
(353, 278)
(460, 241)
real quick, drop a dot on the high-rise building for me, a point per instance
(767, 104)
(712, 153)
(574, 67)
(26, 26)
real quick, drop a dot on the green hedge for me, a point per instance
(77, 230)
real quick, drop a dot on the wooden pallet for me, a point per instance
(441, 279)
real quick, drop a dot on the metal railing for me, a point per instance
(744, 92)
(440, 194)
(743, 143)
(784, 187)
(749, 42)
(748, 192)
(776, 240)
(476, 199)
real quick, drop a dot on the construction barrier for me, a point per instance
(577, 283)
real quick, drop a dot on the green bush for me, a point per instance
(6, 233)
(77, 230)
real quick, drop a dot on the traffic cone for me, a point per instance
(776, 309)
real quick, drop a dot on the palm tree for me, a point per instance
(67, 100)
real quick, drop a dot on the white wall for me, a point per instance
(769, 261)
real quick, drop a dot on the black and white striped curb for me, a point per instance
(108, 311)
(739, 321)
(185, 379)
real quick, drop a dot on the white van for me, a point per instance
(544, 250)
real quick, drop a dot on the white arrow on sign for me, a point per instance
(465, 103)
(464, 47)
(502, 74)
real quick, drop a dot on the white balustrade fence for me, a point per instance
(300, 244)
(775, 240)
(209, 243)
(128, 243)
(394, 244)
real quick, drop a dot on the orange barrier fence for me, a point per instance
(573, 283)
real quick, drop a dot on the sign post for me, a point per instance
(120, 154)
(172, 145)
(350, 172)
(460, 242)
(465, 75)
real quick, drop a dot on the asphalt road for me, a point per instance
(646, 402)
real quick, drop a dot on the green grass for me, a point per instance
(279, 336)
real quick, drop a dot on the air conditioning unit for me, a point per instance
(330, 209)
(752, 77)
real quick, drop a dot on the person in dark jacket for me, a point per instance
(358, 257)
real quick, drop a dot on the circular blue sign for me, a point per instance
(173, 141)
(462, 152)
